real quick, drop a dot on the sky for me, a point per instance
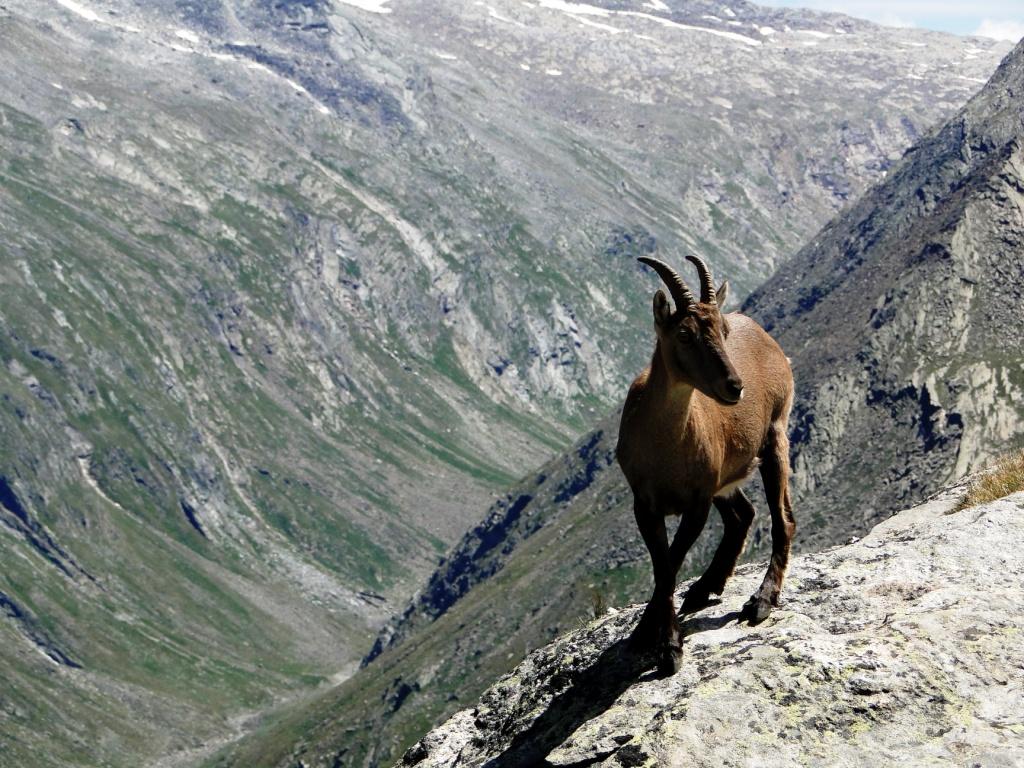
(1001, 19)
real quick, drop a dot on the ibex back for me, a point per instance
(711, 407)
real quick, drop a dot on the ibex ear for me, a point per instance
(722, 294)
(662, 309)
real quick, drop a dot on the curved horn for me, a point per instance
(680, 293)
(707, 285)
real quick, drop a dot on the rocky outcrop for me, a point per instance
(901, 647)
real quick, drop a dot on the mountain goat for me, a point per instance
(711, 407)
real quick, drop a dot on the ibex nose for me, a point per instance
(734, 389)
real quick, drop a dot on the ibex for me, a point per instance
(711, 407)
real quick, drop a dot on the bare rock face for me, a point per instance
(903, 320)
(901, 647)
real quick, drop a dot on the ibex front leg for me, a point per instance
(659, 626)
(657, 617)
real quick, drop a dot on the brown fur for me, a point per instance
(685, 442)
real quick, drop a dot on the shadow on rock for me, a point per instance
(696, 624)
(592, 691)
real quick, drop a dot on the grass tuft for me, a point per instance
(1004, 478)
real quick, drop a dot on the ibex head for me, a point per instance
(693, 336)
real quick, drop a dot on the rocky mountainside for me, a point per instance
(287, 293)
(901, 647)
(880, 300)
(903, 318)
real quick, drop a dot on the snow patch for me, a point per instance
(81, 10)
(373, 6)
(90, 15)
(599, 25)
(497, 16)
(766, 31)
(255, 65)
(736, 37)
(657, 5)
(728, 11)
(724, 103)
(815, 33)
(578, 9)
(553, 72)
(525, 67)
(58, 86)
(574, 8)
(446, 56)
(185, 34)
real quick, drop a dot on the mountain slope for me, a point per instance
(903, 318)
(870, 307)
(275, 274)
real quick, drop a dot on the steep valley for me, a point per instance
(289, 291)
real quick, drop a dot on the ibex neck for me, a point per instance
(674, 394)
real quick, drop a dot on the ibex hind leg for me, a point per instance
(737, 515)
(775, 474)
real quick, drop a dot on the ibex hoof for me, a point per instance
(756, 610)
(696, 600)
(670, 661)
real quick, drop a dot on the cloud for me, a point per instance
(1001, 29)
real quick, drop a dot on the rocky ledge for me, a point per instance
(905, 646)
